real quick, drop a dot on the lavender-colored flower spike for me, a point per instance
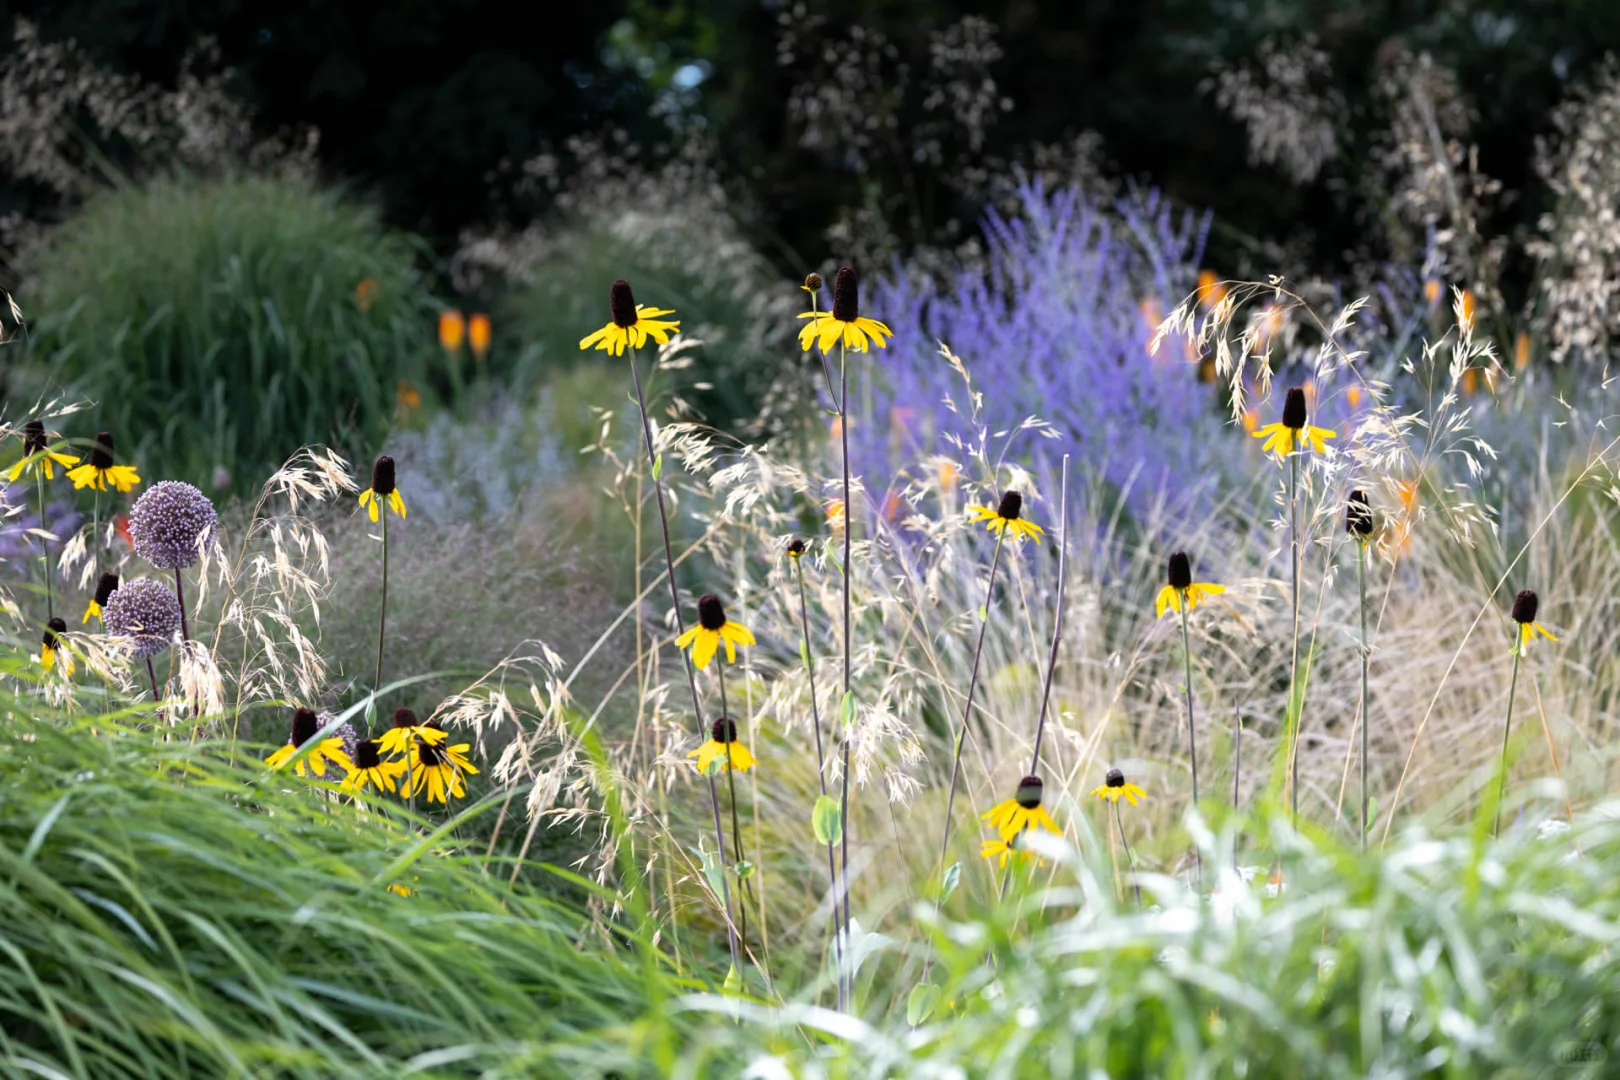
(168, 521)
(145, 611)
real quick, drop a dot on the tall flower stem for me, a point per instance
(967, 709)
(95, 536)
(691, 678)
(44, 544)
(151, 673)
(821, 774)
(1130, 860)
(1057, 619)
(382, 622)
(844, 734)
(1507, 730)
(1294, 707)
(1366, 711)
(180, 595)
(1192, 729)
(736, 827)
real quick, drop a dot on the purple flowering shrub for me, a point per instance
(1054, 323)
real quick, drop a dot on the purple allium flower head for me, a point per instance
(146, 611)
(168, 521)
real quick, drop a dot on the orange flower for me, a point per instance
(1206, 370)
(1431, 291)
(452, 329)
(1467, 305)
(121, 526)
(947, 475)
(1521, 351)
(891, 507)
(1470, 382)
(1210, 289)
(407, 396)
(365, 293)
(1353, 396)
(835, 510)
(1251, 419)
(478, 334)
(835, 427)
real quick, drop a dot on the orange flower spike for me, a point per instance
(365, 293)
(1521, 351)
(452, 329)
(1210, 290)
(478, 334)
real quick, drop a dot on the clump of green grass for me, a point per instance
(225, 323)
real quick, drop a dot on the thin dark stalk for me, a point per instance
(1294, 706)
(849, 532)
(691, 679)
(1057, 620)
(736, 827)
(1237, 767)
(821, 775)
(44, 544)
(1507, 729)
(95, 536)
(180, 595)
(1366, 712)
(1130, 860)
(967, 709)
(1192, 730)
(151, 673)
(382, 621)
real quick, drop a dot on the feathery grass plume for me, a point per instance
(1358, 523)
(306, 724)
(628, 330)
(104, 589)
(53, 653)
(103, 470)
(171, 523)
(1526, 605)
(1113, 789)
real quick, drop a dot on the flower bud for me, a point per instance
(813, 282)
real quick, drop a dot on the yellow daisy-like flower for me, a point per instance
(100, 472)
(1022, 811)
(1525, 606)
(844, 322)
(406, 733)
(1002, 850)
(439, 769)
(104, 590)
(53, 654)
(370, 768)
(39, 456)
(328, 751)
(1007, 516)
(723, 750)
(1114, 788)
(1181, 585)
(1292, 431)
(382, 487)
(632, 323)
(712, 629)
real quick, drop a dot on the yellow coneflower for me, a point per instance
(1524, 613)
(104, 589)
(1022, 811)
(382, 487)
(1179, 584)
(796, 548)
(38, 456)
(370, 768)
(439, 768)
(723, 750)
(712, 629)
(1281, 437)
(52, 651)
(407, 731)
(452, 329)
(100, 471)
(1114, 788)
(478, 334)
(812, 283)
(631, 325)
(844, 322)
(305, 726)
(1008, 515)
(1003, 850)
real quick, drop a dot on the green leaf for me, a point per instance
(827, 820)
(745, 870)
(804, 655)
(832, 557)
(733, 983)
(711, 870)
(658, 467)
(920, 1003)
(846, 710)
(715, 767)
(953, 878)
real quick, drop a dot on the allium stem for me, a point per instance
(151, 673)
(821, 775)
(1192, 729)
(1366, 712)
(1130, 861)
(44, 544)
(180, 595)
(849, 532)
(686, 660)
(1507, 730)
(382, 623)
(967, 709)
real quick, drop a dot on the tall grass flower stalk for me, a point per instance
(630, 326)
